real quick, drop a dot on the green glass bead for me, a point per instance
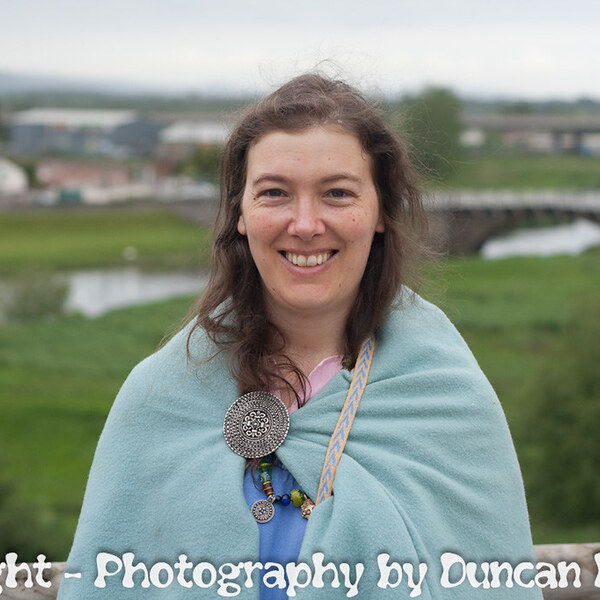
(264, 465)
(297, 497)
(264, 477)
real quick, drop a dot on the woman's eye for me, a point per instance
(273, 193)
(338, 193)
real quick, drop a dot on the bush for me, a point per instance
(22, 530)
(564, 465)
(33, 295)
(203, 163)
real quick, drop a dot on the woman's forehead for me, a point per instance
(327, 152)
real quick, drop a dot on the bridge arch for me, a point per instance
(462, 222)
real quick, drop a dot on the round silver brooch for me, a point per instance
(256, 424)
(263, 511)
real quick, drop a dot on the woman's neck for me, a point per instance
(309, 340)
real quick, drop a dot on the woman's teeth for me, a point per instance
(312, 260)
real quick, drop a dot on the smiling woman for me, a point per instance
(310, 237)
(364, 432)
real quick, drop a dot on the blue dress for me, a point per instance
(281, 537)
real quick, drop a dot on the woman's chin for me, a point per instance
(310, 303)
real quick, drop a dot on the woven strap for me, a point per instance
(342, 429)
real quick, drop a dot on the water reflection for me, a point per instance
(94, 293)
(573, 238)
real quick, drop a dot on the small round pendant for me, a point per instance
(256, 424)
(263, 511)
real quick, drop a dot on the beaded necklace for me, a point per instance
(263, 510)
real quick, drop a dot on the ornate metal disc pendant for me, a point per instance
(256, 424)
(263, 511)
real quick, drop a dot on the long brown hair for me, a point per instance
(231, 309)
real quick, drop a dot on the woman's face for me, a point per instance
(310, 211)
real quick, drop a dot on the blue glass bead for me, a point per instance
(285, 499)
(264, 477)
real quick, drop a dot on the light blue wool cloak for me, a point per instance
(429, 468)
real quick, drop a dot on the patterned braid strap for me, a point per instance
(342, 428)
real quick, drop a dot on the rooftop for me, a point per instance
(73, 118)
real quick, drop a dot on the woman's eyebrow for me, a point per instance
(270, 177)
(341, 176)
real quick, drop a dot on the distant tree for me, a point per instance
(29, 167)
(432, 125)
(518, 108)
(203, 163)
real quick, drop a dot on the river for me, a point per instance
(572, 238)
(96, 292)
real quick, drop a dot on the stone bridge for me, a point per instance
(462, 221)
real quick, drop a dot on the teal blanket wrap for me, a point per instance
(429, 468)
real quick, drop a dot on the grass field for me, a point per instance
(62, 239)
(58, 378)
(530, 171)
(59, 375)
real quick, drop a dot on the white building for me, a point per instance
(13, 179)
(179, 139)
(198, 133)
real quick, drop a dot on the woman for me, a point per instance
(192, 493)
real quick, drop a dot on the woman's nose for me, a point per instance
(307, 220)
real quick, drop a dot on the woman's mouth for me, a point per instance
(308, 260)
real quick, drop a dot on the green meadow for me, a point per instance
(59, 373)
(63, 239)
(529, 171)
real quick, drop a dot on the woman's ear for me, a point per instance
(241, 226)
(379, 228)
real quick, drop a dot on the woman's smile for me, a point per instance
(307, 260)
(310, 211)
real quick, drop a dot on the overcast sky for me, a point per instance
(514, 48)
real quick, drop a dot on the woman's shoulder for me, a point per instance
(428, 369)
(419, 321)
(418, 336)
(183, 367)
(189, 346)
